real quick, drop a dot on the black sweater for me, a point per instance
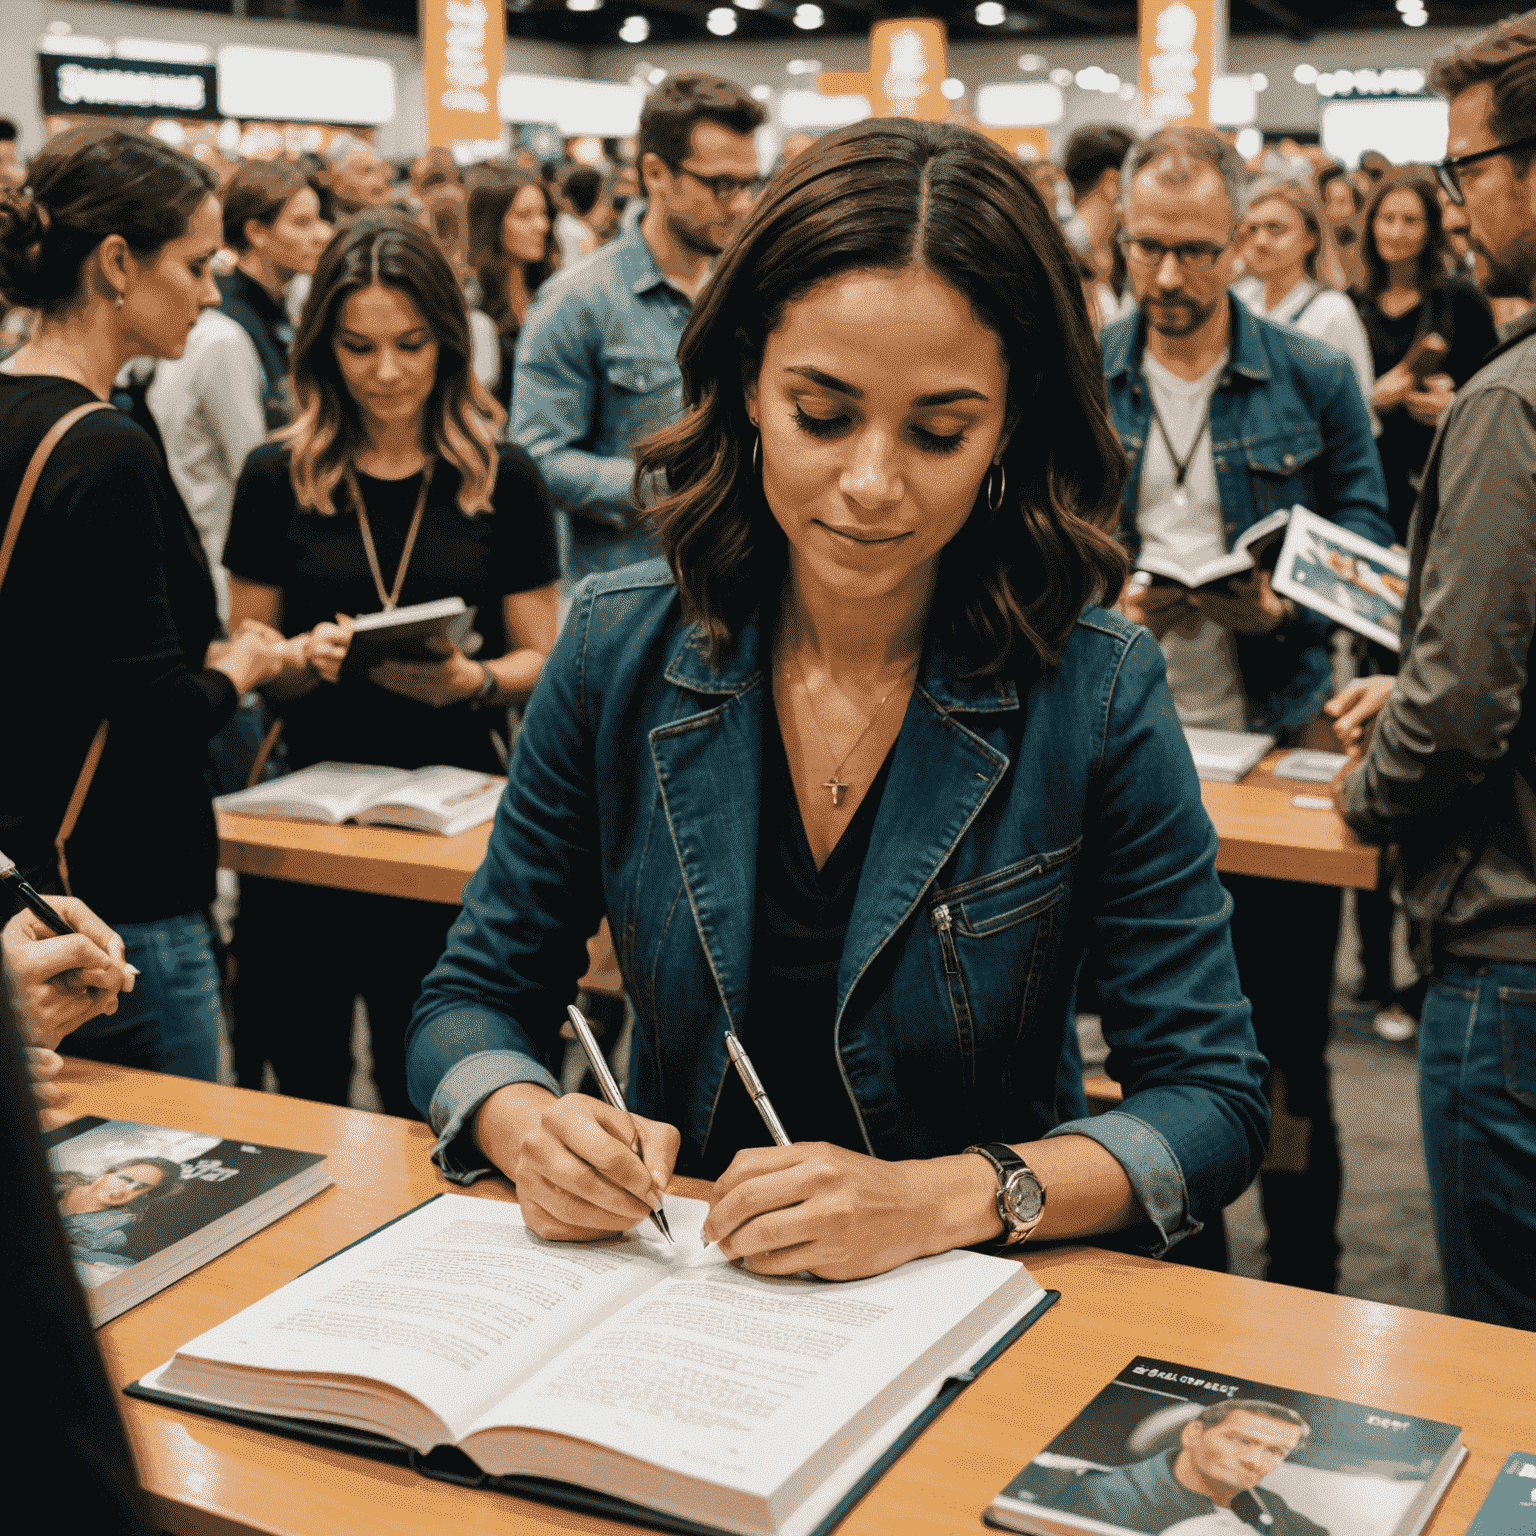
(106, 613)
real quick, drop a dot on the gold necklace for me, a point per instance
(836, 783)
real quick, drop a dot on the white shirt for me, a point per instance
(1202, 669)
(207, 404)
(1325, 314)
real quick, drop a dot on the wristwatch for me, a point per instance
(483, 695)
(1020, 1194)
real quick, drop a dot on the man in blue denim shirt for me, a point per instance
(1227, 418)
(596, 366)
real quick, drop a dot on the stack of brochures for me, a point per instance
(1226, 756)
(1168, 1447)
(143, 1205)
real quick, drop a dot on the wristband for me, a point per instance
(486, 692)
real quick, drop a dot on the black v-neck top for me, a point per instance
(800, 921)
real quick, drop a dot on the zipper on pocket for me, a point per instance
(944, 927)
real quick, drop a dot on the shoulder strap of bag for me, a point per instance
(1318, 289)
(39, 460)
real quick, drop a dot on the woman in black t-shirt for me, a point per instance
(107, 612)
(389, 489)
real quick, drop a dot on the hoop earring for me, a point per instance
(119, 301)
(995, 498)
(757, 452)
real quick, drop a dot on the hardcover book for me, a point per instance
(641, 1379)
(1187, 1449)
(1510, 1508)
(439, 799)
(406, 634)
(143, 1205)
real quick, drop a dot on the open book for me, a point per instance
(1254, 549)
(446, 800)
(1344, 577)
(661, 1376)
(401, 634)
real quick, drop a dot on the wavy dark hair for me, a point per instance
(488, 205)
(83, 186)
(171, 1182)
(890, 195)
(1433, 264)
(459, 421)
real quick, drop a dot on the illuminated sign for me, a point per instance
(286, 85)
(462, 44)
(907, 64)
(126, 87)
(1179, 44)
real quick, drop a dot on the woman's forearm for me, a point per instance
(516, 673)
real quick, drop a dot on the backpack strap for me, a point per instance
(35, 467)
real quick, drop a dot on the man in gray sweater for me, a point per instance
(1450, 774)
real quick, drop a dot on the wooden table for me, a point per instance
(1261, 833)
(218, 1479)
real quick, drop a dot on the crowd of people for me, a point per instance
(880, 767)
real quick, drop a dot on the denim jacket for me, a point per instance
(596, 370)
(1288, 425)
(1016, 824)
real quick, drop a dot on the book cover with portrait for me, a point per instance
(1169, 1448)
(1510, 1508)
(143, 1205)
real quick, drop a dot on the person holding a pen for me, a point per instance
(390, 488)
(858, 775)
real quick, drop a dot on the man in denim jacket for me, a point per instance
(596, 366)
(1227, 418)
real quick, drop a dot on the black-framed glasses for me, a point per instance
(724, 188)
(1448, 172)
(1192, 255)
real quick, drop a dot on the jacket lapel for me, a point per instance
(941, 776)
(709, 770)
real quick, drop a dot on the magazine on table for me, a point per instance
(1348, 579)
(1168, 1448)
(439, 799)
(143, 1205)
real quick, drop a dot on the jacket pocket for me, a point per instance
(995, 937)
(1517, 1028)
(1280, 468)
(641, 373)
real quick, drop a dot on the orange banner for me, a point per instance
(462, 42)
(907, 64)
(1014, 141)
(1180, 41)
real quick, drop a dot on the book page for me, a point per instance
(339, 790)
(751, 1382)
(436, 796)
(451, 1304)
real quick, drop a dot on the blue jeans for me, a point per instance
(1477, 1102)
(170, 1021)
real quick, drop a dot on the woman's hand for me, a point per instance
(57, 983)
(1392, 389)
(1356, 705)
(253, 655)
(571, 1160)
(43, 1066)
(841, 1215)
(1429, 404)
(1158, 608)
(449, 681)
(326, 647)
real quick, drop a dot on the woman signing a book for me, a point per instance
(389, 489)
(859, 775)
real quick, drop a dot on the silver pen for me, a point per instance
(755, 1090)
(599, 1065)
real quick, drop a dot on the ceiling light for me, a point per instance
(1061, 77)
(990, 14)
(749, 5)
(809, 17)
(1418, 19)
(952, 89)
(1327, 85)
(635, 30)
(583, 5)
(1248, 143)
(656, 76)
(762, 92)
(1127, 92)
(803, 67)
(1031, 63)
(1305, 74)
(721, 21)
(1261, 81)
(59, 29)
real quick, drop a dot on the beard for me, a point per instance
(1180, 314)
(692, 237)
(1512, 276)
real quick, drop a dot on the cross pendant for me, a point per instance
(837, 787)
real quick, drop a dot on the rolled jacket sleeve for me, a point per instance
(1191, 1131)
(1464, 671)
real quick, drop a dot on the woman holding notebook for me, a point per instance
(860, 778)
(389, 489)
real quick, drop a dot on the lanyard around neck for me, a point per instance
(390, 599)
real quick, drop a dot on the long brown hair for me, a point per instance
(889, 195)
(1433, 263)
(488, 206)
(459, 420)
(1322, 263)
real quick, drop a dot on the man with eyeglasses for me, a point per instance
(1449, 775)
(1227, 418)
(596, 366)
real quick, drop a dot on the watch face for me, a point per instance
(1024, 1196)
